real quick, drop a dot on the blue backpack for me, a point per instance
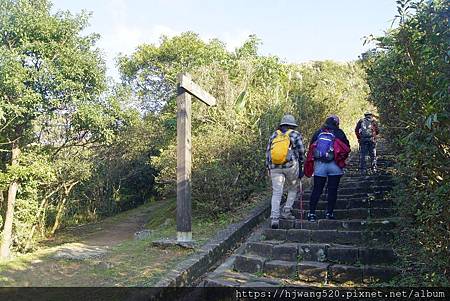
(324, 150)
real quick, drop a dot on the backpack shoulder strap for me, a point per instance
(277, 134)
(327, 131)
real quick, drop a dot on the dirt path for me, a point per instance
(112, 232)
(80, 256)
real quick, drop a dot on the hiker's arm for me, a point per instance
(299, 146)
(268, 152)
(314, 137)
(357, 128)
(375, 128)
(344, 138)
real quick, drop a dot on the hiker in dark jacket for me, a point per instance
(328, 164)
(366, 131)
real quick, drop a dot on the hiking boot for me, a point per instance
(329, 216)
(312, 217)
(288, 215)
(274, 224)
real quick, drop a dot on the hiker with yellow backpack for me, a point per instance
(284, 158)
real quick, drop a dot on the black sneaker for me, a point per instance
(274, 225)
(312, 217)
(329, 216)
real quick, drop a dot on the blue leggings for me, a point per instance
(319, 184)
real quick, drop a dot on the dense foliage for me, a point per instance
(75, 147)
(408, 74)
(253, 92)
(64, 155)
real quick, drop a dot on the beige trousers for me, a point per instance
(280, 177)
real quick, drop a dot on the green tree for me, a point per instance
(49, 73)
(252, 92)
(408, 74)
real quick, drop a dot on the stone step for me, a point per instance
(365, 184)
(281, 269)
(341, 273)
(323, 272)
(360, 178)
(355, 173)
(357, 191)
(277, 250)
(261, 248)
(329, 236)
(347, 197)
(249, 263)
(362, 255)
(347, 204)
(311, 271)
(351, 224)
(340, 197)
(354, 162)
(381, 164)
(231, 278)
(353, 213)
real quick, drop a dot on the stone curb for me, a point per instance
(188, 271)
(191, 269)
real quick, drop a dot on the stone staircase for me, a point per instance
(353, 249)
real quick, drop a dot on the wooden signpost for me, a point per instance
(186, 88)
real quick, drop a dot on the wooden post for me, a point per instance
(184, 155)
(186, 88)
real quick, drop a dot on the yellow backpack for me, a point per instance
(279, 150)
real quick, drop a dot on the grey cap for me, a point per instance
(288, 120)
(368, 113)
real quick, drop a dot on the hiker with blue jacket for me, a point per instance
(328, 150)
(284, 157)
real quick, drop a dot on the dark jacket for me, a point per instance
(375, 129)
(341, 147)
(337, 132)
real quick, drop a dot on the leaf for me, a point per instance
(241, 101)
(428, 122)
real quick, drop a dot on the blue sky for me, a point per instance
(294, 30)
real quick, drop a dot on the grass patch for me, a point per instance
(75, 233)
(129, 263)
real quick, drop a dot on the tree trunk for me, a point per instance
(12, 192)
(39, 212)
(2, 209)
(42, 224)
(58, 217)
(61, 206)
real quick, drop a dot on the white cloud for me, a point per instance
(125, 39)
(235, 39)
(160, 30)
(118, 9)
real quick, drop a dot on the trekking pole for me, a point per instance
(359, 163)
(300, 191)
